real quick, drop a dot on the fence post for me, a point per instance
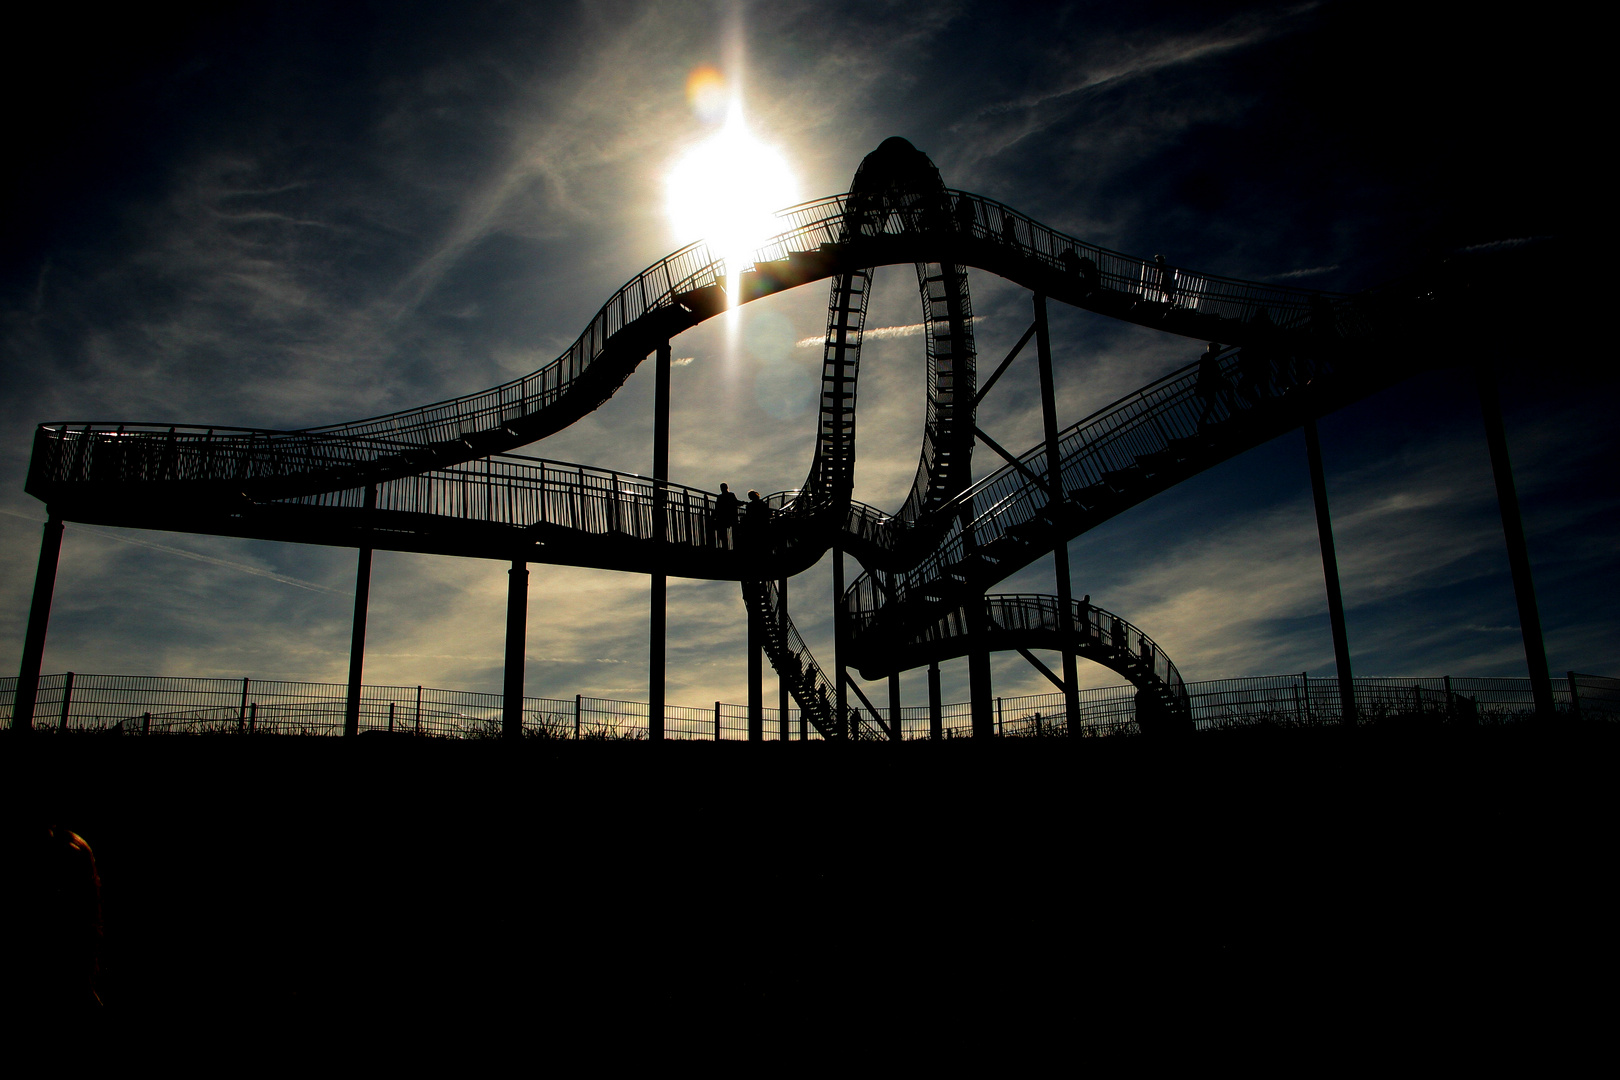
(241, 713)
(390, 715)
(253, 716)
(146, 723)
(419, 710)
(1000, 725)
(1449, 699)
(576, 715)
(1574, 697)
(1305, 677)
(717, 721)
(67, 702)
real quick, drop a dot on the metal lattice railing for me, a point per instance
(468, 427)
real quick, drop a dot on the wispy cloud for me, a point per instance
(1309, 271)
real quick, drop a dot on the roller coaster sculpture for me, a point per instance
(440, 478)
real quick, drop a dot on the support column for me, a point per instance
(894, 706)
(39, 617)
(782, 698)
(840, 694)
(1060, 540)
(979, 688)
(656, 620)
(517, 628)
(1507, 500)
(936, 711)
(357, 640)
(1330, 573)
(756, 678)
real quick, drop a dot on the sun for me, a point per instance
(727, 189)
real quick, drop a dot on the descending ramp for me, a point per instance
(1009, 621)
(809, 684)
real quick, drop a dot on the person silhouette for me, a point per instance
(756, 520)
(724, 517)
(1167, 281)
(1212, 386)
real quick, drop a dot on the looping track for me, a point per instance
(442, 479)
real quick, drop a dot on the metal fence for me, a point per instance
(159, 705)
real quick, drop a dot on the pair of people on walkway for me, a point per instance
(754, 524)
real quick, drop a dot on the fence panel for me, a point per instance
(151, 704)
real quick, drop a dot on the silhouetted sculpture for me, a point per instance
(725, 516)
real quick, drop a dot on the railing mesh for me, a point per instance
(159, 705)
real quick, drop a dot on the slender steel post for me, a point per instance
(840, 695)
(656, 630)
(1330, 572)
(1054, 499)
(936, 711)
(756, 677)
(979, 686)
(39, 617)
(894, 706)
(67, 702)
(1507, 500)
(517, 627)
(357, 641)
(782, 699)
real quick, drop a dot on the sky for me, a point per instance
(288, 214)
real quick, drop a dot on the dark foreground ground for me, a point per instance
(1410, 873)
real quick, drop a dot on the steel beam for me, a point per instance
(517, 627)
(659, 591)
(840, 677)
(357, 636)
(1330, 574)
(1507, 501)
(895, 731)
(756, 677)
(783, 701)
(39, 618)
(936, 711)
(1054, 487)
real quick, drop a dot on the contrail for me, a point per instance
(184, 554)
(909, 330)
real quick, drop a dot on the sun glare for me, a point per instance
(726, 190)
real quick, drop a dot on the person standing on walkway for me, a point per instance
(756, 521)
(725, 516)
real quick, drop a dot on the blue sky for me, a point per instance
(275, 215)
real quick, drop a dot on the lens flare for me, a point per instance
(727, 189)
(706, 93)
